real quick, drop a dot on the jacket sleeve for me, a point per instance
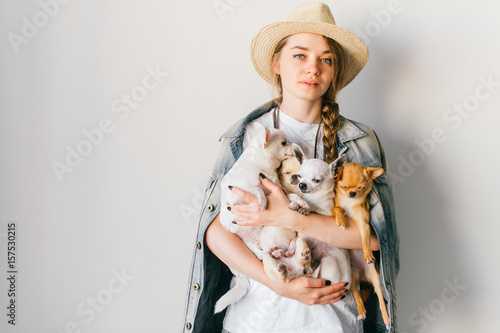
(389, 210)
(382, 218)
(209, 278)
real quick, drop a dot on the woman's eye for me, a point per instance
(327, 61)
(298, 56)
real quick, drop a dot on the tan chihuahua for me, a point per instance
(354, 183)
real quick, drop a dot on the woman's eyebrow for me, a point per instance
(306, 49)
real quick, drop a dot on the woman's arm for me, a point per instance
(325, 229)
(277, 213)
(231, 250)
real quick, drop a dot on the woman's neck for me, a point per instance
(303, 111)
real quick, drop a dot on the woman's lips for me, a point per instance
(310, 83)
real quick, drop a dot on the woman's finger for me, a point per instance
(246, 223)
(270, 185)
(328, 299)
(247, 196)
(243, 208)
(249, 215)
(331, 293)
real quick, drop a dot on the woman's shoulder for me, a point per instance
(239, 127)
(364, 139)
(351, 129)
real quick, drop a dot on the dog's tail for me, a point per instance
(234, 294)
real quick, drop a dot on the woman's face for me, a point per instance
(305, 66)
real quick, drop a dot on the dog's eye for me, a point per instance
(283, 143)
(286, 173)
(343, 187)
(361, 187)
(316, 180)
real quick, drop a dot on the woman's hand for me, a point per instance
(233, 252)
(311, 291)
(276, 213)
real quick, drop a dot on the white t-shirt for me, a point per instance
(263, 311)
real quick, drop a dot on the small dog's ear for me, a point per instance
(337, 164)
(263, 134)
(268, 137)
(338, 176)
(374, 172)
(298, 153)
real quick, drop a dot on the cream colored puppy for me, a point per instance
(289, 256)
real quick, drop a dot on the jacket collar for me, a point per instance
(348, 131)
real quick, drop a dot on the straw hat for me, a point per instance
(314, 17)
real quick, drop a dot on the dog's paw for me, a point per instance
(304, 211)
(283, 273)
(305, 255)
(362, 316)
(298, 204)
(276, 252)
(293, 205)
(369, 259)
(288, 254)
(340, 220)
(342, 225)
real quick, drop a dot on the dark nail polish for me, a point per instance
(328, 282)
(230, 187)
(342, 297)
(261, 175)
(234, 222)
(228, 208)
(346, 284)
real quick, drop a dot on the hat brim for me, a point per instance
(265, 41)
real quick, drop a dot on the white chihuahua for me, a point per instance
(316, 181)
(263, 156)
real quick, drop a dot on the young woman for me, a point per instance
(308, 59)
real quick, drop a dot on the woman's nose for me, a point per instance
(312, 68)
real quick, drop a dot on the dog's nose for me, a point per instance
(352, 194)
(303, 186)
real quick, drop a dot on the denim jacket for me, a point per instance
(209, 278)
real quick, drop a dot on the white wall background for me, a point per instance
(128, 207)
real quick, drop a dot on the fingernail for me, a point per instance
(261, 175)
(230, 187)
(328, 282)
(346, 284)
(228, 208)
(234, 222)
(342, 297)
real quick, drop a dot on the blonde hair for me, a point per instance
(330, 109)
